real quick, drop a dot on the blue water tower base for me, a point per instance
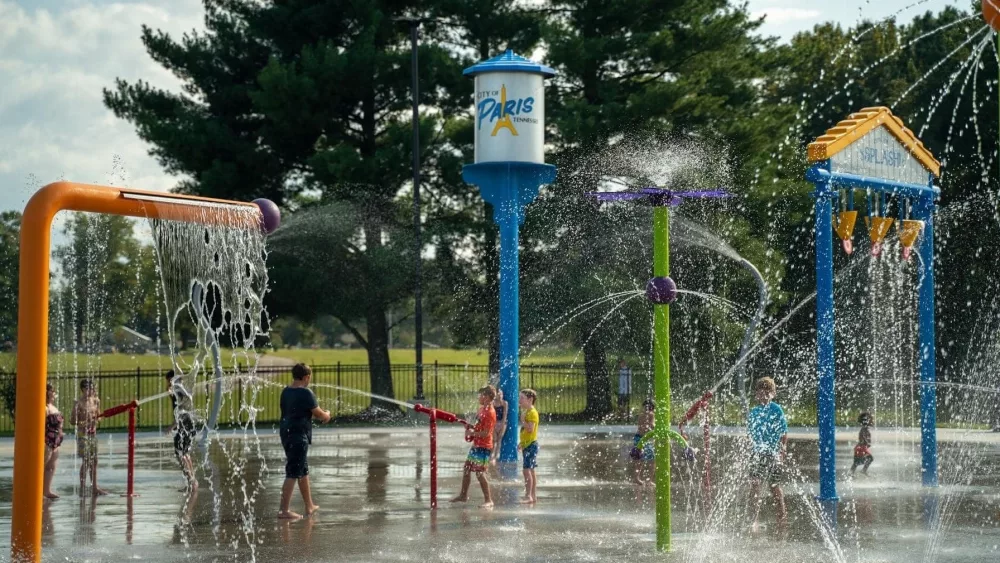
(509, 187)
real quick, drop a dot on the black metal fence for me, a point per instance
(562, 392)
(343, 389)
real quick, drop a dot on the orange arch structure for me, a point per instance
(33, 320)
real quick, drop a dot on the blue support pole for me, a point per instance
(824, 195)
(928, 367)
(509, 187)
(509, 331)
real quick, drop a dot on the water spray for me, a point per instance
(33, 315)
(199, 302)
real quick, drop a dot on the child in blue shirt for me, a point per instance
(768, 430)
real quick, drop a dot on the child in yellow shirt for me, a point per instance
(529, 443)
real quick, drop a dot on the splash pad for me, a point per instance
(582, 494)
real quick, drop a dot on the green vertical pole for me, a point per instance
(661, 369)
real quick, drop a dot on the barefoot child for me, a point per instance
(768, 430)
(183, 428)
(53, 439)
(863, 451)
(298, 408)
(500, 407)
(86, 413)
(643, 457)
(528, 443)
(482, 446)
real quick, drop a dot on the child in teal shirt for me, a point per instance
(768, 430)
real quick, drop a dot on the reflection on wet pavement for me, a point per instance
(373, 488)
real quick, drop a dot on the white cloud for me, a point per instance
(778, 16)
(53, 64)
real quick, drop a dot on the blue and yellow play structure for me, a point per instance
(874, 154)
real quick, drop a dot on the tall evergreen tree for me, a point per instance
(290, 95)
(936, 73)
(10, 259)
(485, 28)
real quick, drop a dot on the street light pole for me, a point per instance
(418, 320)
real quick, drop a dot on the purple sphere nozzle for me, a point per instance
(270, 215)
(661, 291)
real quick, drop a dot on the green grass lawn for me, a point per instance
(471, 356)
(65, 362)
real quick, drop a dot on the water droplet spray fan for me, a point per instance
(33, 316)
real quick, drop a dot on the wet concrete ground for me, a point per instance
(373, 487)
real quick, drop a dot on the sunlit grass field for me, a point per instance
(65, 362)
(470, 356)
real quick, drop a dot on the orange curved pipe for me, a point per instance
(33, 320)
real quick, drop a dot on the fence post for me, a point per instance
(436, 399)
(338, 388)
(531, 373)
(138, 390)
(239, 384)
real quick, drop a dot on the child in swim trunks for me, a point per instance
(482, 446)
(528, 443)
(643, 457)
(53, 439)
(863, 450)
(298, 408)
(86, 414)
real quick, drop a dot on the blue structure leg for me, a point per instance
(928, 367)
(509, 338)
(824, 346)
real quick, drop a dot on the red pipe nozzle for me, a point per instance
(698, 405)
(119, 409)
(439, 414)
(448, 417)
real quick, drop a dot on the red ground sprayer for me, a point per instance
(436, 415)
(702, 405)
(130, 407)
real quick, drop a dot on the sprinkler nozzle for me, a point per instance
(119, 409)
(270, 215)
(439, 414)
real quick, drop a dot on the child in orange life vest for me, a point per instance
(482, 446)
(863, 451)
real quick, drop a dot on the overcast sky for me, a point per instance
(56, 55)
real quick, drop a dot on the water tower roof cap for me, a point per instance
(509, 62)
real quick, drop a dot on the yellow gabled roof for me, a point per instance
(859, 124)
